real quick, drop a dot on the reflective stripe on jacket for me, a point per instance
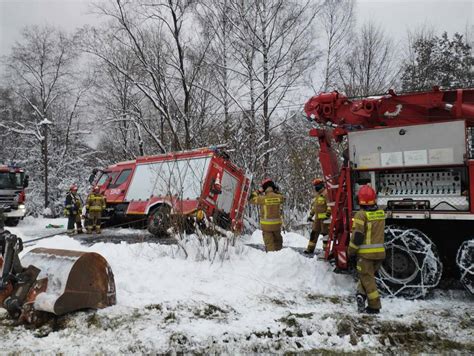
(95, 202)
(319, 206)
(270, 204)
(371, 223)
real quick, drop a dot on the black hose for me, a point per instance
(60, 232)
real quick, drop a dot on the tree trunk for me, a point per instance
(266, 93)
(45, 165)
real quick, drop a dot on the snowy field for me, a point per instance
(237, 300)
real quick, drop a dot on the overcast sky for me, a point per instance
(395, 16)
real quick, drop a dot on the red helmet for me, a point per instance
(367, 195)
(317, 181)
(73, 188)
(96, 189)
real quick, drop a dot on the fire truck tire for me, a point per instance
(159, 221)
(12, 221)
(412, 265)
(465, 262)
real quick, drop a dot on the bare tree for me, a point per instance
(122, 114)
(217, 20)
(272, 48)
(155, 33)
(337, 20)
(371, 66)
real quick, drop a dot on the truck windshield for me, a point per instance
(122, 178)
(10, 180)
(103, 178)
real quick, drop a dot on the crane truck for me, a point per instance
(417, 151)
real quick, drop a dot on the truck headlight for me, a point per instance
(21, 206)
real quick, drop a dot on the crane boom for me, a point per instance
(392, 109)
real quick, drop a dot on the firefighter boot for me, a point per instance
(361, 302)
(325, 242)
(313, 240)
(79, 227)
(370, 310)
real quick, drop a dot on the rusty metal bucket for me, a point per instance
(70, 280)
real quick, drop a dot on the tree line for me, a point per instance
(165, 75)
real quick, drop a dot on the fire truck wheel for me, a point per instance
(465, 262)
(12, 221)
(412, 265)
(159, 221)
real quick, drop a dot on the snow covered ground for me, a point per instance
(238, 299)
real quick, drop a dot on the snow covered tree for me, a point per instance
(47, 96)
(438, 61)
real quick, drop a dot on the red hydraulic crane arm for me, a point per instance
(392, 109)
(342, 114)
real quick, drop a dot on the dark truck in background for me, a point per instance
(13, 182)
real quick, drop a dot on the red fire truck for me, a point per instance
(164, 189)
(13, 182)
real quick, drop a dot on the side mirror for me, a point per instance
(26, 181)
(92, 176)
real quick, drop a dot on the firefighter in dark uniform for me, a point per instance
(319, 212)
(72, 209)
(270, 204)
(2, 220)
(367, 250)
(95, 205)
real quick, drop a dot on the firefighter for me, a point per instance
(320, 211)
(270, 205)
(72, 209)
(2, 220)
(367, 250)
(94, 206)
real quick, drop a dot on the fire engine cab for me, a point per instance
(162, 190)
(13, 182)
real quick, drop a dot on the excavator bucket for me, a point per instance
(69, 281)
